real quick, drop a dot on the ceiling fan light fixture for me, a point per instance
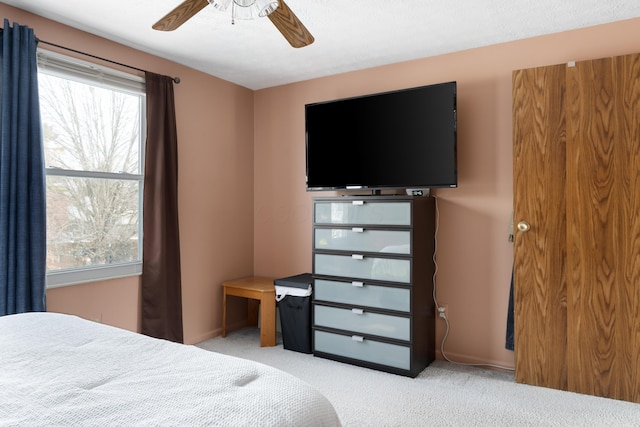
(246, 9)
(266, 6)
(255, 9)
(243, 12)
(221, 5)
(244, 3)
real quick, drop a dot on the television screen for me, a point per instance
(401, 139)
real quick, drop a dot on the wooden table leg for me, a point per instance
(268, 321)
(252, 311)
(224, 312)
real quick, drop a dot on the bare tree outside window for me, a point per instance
(94, 184)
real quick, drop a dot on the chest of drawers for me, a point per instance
(373, 281)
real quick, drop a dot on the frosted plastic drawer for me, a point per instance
(363, 212)
(364, 322)
(396, 270)
(358, 293)
(371, 351)
(364, 240)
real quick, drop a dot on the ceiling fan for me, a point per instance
(277, 10)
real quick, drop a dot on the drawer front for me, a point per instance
(363, 240)
(363, 212)
(395, 270)
(364, 322)
(358, 293)
(367, 350)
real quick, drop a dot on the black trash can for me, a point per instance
(293, 296)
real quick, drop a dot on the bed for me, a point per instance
(61, 370)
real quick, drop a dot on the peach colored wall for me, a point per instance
(113, 302)
(215, 134)
(474, 255)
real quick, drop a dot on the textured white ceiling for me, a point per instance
(349, 35)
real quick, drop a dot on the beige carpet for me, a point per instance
(444, 394)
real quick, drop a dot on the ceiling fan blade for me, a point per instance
(181, 14)
(290, 26)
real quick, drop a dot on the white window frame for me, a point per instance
(67, 67)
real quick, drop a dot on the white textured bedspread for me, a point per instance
(60, 370)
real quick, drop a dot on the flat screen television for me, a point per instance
(404, 139)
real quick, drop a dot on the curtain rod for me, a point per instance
(175, 79)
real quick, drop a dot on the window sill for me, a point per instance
(60, 278)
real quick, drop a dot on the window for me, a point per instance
(93, 122)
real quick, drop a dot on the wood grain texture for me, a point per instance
(290, 26)
(539, 139)
(179, 15)
(629, 128)
(577, 290)
(603, 229)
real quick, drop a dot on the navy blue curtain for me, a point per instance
(509, 343)
(22, 176)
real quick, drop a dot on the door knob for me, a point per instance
(523, 226)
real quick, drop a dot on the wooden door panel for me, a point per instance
(628, 72)
(539, 138)
(602, 221)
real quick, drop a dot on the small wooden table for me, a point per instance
(254, 288)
